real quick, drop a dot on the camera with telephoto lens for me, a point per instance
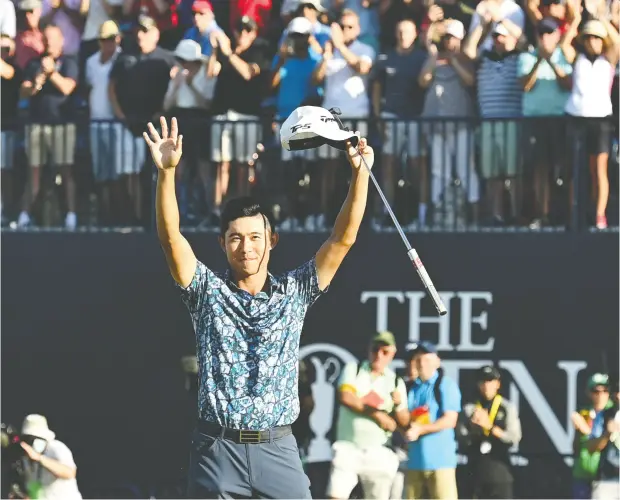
(13, 478)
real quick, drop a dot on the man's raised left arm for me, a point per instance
(332, 253)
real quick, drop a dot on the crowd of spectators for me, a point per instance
(477, 108)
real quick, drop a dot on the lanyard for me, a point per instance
(497, 401)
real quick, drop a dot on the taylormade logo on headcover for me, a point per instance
(311, 127)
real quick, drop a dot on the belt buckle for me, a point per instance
(249, 437)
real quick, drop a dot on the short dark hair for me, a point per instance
(243, 206)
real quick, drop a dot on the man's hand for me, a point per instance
(224, 44)
(32, 455)
(413, 433)
(328, 52)
(482, 9)
(435, 13)
(396, 398)
(165, 150)
(337, 36)
(613, 426)
(48, 65)
(386, 422)
(363, 149)
(481, 419)
(284, 51)
(580, 423)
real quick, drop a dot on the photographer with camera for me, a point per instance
(49, 469)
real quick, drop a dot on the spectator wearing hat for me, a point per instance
(434, 405)
(204, 26)
(545, 76)
(189, 97)
(499, 100)
(258, 11)
(50, 470)
(105, 133)
(48, 83)
(344, 69)
(593, 73)
(241, 86)
(8, 23)
(294, 87)
(29, 42)
(607, 483)
(11, 81)
(99, 11)
(589, 425)
(492, 13)
(489, 426)
(165, 14)
(321, 33)
(372, 406)
(69, 16)
(138, 84)
(448, 77)
(398, 99)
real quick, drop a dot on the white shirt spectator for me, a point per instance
(344, 87)
(52, 487)
(508, 9)
(7, 18)
(96, 17)
(72, 34)
(591, 93)
(98, 77)
(185, 97)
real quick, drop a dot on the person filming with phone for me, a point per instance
(373, 404)
(49, 468)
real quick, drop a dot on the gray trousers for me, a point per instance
(221, 468)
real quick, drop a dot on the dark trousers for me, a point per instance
(221, 468)
(493, 490)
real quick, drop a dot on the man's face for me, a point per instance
(489, 388)
(405, 34)
(247, 245)
(350, 28)
(451, 44)
(33, 17)
(53, 40)
(147, 39)
(412, 369)
(503, 43)
(381, 355)
(599, 395)
(549, 40)
(593, 44)
(108, 45)
(426, 363)
(203, 19)
(245, 36)
(310, 13)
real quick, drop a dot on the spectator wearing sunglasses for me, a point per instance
(545, 76)
(589, 424)
(373, 404)
(594, 61)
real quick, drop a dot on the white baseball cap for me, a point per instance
(310, 127)
(300, 25)
(36, 425)
(455, 28)
(189, 50)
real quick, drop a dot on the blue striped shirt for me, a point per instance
(499, 91)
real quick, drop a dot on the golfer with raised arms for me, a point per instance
(248, 325)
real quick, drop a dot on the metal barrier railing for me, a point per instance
(456, 174)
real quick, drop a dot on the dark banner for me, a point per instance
(93, 333)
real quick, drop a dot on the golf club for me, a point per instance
(411, 252)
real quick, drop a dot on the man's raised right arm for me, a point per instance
(166, 152)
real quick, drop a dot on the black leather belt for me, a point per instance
(244, 436)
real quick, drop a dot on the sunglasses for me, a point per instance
(347, 26)
(381, 349)
(600, 391)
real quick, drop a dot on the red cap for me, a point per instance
(202, 6)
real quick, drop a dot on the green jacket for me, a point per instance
(586, 464)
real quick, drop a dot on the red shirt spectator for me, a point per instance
(29, 43)
(256, 9)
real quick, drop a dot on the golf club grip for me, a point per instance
(426, 279)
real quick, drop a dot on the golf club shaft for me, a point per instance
(411, 253)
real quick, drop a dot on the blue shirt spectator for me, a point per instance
(436, 450)
(547, 96)
(204, 25)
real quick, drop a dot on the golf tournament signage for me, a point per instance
(103, 330)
